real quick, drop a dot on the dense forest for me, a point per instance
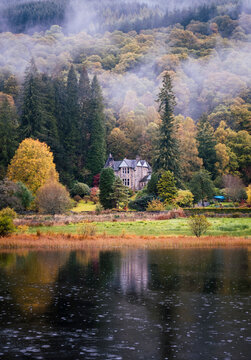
(88, 88)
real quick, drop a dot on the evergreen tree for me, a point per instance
(50, 135)
(166, 187)
(206, 144)
(84, 102)
(152, 185)
(119, 192)
(107, 179)
(62, 160)
(8, 135)
(202, 186)
(71, 124)
(167, 150)
(96, 151)
(32, 120)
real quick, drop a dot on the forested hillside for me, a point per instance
(84, 77)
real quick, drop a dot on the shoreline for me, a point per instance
(107, 242)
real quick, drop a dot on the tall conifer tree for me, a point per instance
(96, 151)
(32, 120)
(8, 135)
(84, 101)
(206, 144)
(167, 149)
(71, 128)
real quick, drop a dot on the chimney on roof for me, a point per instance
(137, 158)
(110, 161)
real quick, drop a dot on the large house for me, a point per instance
(134, 173)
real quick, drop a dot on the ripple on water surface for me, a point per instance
(137, 304)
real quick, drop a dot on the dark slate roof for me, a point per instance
(145, 178)
(116, 165)
(130, 163)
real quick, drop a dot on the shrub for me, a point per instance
(142, 193)
(8, 212)
(184, 198)
(198, 225)
(155, 205)
(23, 229)
(141, 203)
(6, 225)
(53, 198)
(99, 209)
(94, 194)
(80, 189)
(87, 230)
(8, 198)
(25, 195)
(77, 198)
(6, 221)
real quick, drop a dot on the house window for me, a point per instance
(128, 182)
(128, 170)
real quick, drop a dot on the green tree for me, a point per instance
(85, 112)
(202, 186)
(119, 192)
(71, 125)
(206, 144)
(167, 149)
(107, 179)
(80, 189)
(8, 135)
(32, 120)
(152, 188)
(166, 187)
(96, 152)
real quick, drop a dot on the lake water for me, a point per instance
(130, 304)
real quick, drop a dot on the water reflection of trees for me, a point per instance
(152, 298)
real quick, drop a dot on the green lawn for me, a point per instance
(220, 226)
(82, 206)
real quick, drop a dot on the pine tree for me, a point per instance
(32, 120)
(206, 144)
(50, 135)
(107, 179)
(71, 124)
(84, 102)
(167, 187)
(62, 161)
(8, 135)
(96, 151)
(119, 192)
(167, 150)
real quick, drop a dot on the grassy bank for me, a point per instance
(219, 227)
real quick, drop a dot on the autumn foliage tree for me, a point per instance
(32, 164)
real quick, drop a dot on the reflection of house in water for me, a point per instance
(134, 271)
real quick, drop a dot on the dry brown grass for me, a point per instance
(104, 241)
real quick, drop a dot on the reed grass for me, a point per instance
(104, 241)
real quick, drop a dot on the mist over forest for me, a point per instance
(204, 45)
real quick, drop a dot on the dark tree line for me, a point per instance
(125, 17)
(67, 116)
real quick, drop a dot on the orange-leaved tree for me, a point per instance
(32, 164)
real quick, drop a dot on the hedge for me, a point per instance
(218, 211)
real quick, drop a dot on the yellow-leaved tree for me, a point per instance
(32, 164)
